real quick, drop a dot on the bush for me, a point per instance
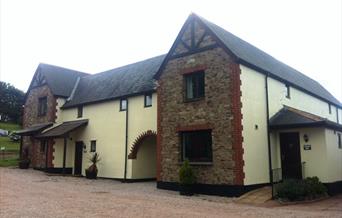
(296, 190)
(186, 174)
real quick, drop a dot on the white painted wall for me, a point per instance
(107, 126)
(254, 113)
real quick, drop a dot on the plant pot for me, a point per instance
(91, 174)
(186, 190)
(24, 164)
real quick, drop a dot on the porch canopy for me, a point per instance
(289, 117)
(62, 131)
(34, 129)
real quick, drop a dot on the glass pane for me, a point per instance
(189, 87)
(148, 100)
(197, 146)
(123, 104)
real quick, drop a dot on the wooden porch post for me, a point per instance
(64, 154)
(21, 147)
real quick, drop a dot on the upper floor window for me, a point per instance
(329, 108)
(288, 93)
(123, 104)
(42, 106)
(79, 111)
(196, 146)
(194, 85)
(148, 100)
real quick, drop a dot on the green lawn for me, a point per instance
(8, 144)
(9, 126)
(9, 162)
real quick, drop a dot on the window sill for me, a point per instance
(198, 163)
(193, 100)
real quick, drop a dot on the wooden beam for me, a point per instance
(64, 154)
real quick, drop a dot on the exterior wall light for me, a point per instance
(306, 138)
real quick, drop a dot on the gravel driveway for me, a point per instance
(30, 193)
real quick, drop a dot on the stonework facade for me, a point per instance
(217, 111)
(36, 154)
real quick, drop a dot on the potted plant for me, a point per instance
(91, 172)
(24, 162)
(187, 179)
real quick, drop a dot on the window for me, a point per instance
(93, 146)
(79, 111)
(196, 146)
(43, 145)
(148, 100)
(288, 93)
(42, 106)
(123, 104)
(329, 108)
(339, 140)
(194, 85)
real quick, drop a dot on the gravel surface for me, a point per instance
(30, 193)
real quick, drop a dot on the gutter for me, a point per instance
(268, 134)
(126, 142)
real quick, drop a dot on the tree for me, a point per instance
(11, 102)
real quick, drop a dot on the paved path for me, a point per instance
(29, 193)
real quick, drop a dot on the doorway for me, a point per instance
(290, 155)
(78, 158)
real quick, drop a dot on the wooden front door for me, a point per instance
(290, 155)
(78, 158)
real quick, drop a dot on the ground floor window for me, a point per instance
(196, 146)
(93, 146)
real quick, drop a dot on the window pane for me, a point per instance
(197, 146)
(148, 100)
(93, 146)
(194, 85)
(123, 104)
(80, 111)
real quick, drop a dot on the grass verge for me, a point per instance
(9, 126)
(9, 144)
(9, 162)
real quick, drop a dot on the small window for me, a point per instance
(288, 92)
(339, 140)
(148, 100)
(194, 85)
(196, 146)
(329, 108)
(93, 146)
(42, 106)
(123, 104)
(43, 145)
(80, 111)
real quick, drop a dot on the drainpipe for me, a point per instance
(268, 134)
(126, 141)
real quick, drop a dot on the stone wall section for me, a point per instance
(38, 158)
(217, 111)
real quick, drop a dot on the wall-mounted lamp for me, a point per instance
(256, 126)
(306, 137)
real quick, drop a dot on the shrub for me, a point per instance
(186, 174)
(296, 190)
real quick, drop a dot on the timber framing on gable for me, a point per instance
(193, 38)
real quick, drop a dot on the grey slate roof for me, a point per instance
(128, 80)
(60, 80)
(246, 52)
(289, 117)
(32, 130)
(63, 129)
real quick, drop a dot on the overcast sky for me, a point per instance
(94, 36)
